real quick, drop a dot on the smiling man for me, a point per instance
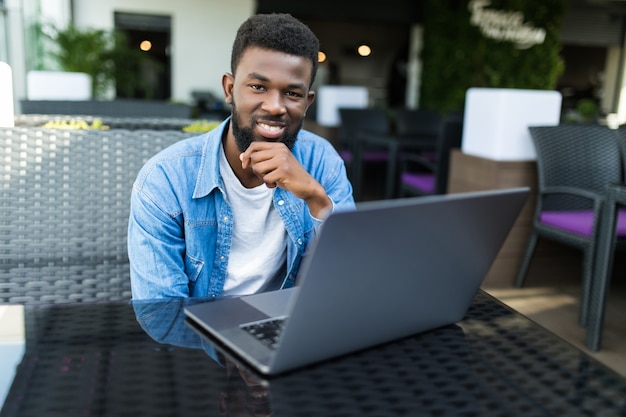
(231, 212)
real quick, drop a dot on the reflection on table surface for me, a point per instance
(117, 359)
(11, 345)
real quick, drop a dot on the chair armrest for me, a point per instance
(412, 158)
(616, 193)
(573, 191)
(365, 138)
(595, 198)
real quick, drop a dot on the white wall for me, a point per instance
(17, 59)
(56, 12)
(610, 79)
(202, 35)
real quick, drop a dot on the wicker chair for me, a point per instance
(355, 122)
(424, 175)
(65, 198)
(613, 224)
(575, 164)
(612, 227)
(421, 124)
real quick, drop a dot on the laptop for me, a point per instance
(387, 270)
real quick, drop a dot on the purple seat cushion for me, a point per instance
(424, 182)
(346, 155)
(579, 221)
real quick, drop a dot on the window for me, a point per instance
(4, 54)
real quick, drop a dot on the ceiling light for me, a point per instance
(145, 45)
(364, 50)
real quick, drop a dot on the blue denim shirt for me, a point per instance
(181, 227)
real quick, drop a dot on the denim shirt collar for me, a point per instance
(209, 176)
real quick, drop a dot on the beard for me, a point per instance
(244, 135)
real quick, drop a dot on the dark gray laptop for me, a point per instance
(385, 271)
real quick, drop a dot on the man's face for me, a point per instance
(269, 94)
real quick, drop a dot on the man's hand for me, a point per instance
(276, 166)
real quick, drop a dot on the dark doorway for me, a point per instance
(148, 38)
(583, 75)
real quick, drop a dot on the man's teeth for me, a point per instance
(270, 128)
(259, 395)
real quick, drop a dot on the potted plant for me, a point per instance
(104, 55)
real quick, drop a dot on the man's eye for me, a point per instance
(257, 87)
(293, 94)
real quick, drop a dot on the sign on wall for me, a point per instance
(507, 26)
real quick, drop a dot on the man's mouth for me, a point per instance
(270, 131)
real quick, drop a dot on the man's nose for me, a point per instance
(274, 102)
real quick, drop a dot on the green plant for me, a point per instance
(458, 56)
(104, 55)
(76, 124)
(587, 109)
(201, 126)
(84, 50)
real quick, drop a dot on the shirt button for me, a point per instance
(299, 241)
(226, 219)
(281, 202)
(222, 257)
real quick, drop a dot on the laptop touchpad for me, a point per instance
(273, 303)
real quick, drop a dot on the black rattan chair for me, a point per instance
(65, 198)
(421, 124)
(613, 224)
(575, 164)
(424, 175)
(355, 122)
(612, 228)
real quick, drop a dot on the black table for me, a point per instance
(96, 360)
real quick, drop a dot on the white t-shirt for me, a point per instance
(258, 253)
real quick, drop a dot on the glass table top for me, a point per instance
(97, 359)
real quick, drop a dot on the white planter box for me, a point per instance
(58, 85)
(497, 120)
(7, 113)
(330, 98)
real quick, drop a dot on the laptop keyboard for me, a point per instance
(267, 331)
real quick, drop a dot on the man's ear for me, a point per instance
(310, 97)
(223, 403)
(227, 85)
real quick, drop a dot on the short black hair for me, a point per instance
(278, 32)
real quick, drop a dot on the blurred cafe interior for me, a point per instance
(419, 98)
